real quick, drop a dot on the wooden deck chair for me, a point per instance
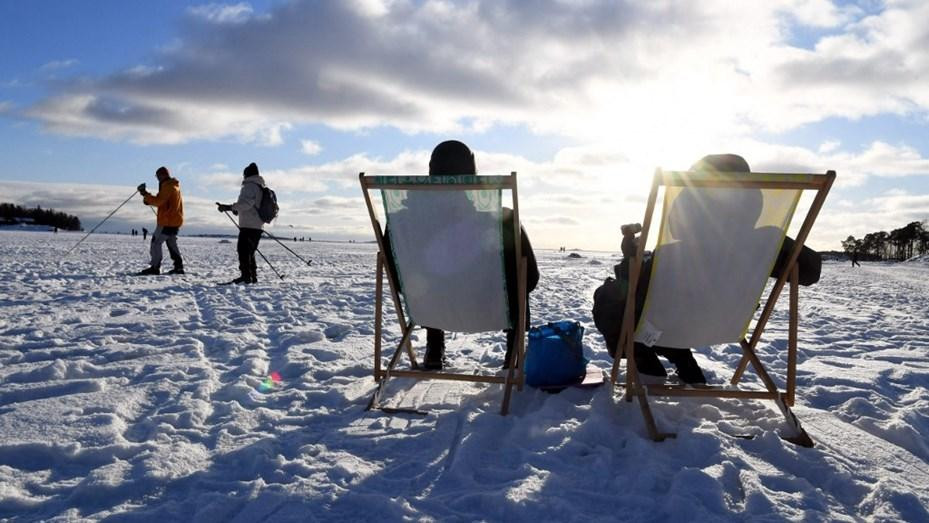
(446, 242)
(718, 242)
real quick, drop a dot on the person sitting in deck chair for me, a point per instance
(452, 158)
(609, 299)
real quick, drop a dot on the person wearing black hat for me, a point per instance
(809, 264)
(170, 218)
(451, 158)
(250, 223)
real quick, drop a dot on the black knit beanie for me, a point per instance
(451, 158)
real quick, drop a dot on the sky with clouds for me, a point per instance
(582, 98)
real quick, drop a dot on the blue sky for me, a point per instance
(583, 99)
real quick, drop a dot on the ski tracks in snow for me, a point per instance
(151, 399)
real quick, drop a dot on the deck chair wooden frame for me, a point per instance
(784, 399)
(514, 374)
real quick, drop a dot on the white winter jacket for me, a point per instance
(248, 202)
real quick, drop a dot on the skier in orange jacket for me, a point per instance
(170, 218)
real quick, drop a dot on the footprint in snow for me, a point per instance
(336, 332)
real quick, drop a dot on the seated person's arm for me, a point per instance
(809, 262)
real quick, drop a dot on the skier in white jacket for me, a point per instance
(250, 223)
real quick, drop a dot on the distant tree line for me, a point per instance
(898, 244)
(11, 213)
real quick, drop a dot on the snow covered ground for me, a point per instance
(149, 399)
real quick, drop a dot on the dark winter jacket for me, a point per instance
(509, 257)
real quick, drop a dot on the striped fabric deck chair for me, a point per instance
(718, 241)
(446, 244)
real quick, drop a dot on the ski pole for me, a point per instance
(286, 247)
(98, 225)
(256, 248)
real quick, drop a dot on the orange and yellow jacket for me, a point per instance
(169, 203)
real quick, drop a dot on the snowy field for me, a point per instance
(148, 399)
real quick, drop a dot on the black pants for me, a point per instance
(246, 247)
(436, 337)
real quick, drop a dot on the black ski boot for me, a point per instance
(687, 368)
(646, 362)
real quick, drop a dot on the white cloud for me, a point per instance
(222, 13)
(141, 71)
(576, 199)
(57, 65)
(580, 197)
(887, 212)
(310, 148)
(593, 71)
(612, 76)
(829, 146)
(14, 83)
(155, 122)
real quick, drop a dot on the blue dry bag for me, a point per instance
(556, 354)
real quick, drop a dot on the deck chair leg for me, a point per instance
(618, 354)
(407, 345)
(634, 388)
(632, 370)
(800, 436)
(513, 376)
(382, 384)
(507, 392)
(650, 424)
(626, 350)
(378, 314)
(792, 337)
(749, 353)
(520, 341)
(398, 306)
(518, 355)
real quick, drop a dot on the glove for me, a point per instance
(222, 207)
(141, 188)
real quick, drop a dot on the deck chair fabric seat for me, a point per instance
(715, 251)
(447, 251)
(719, 240)
(444, 242)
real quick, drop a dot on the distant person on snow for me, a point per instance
(250, 223)
(169, 221)
(144, 233)
(855, 258)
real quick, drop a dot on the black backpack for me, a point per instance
(609, 304)
(267, 209)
